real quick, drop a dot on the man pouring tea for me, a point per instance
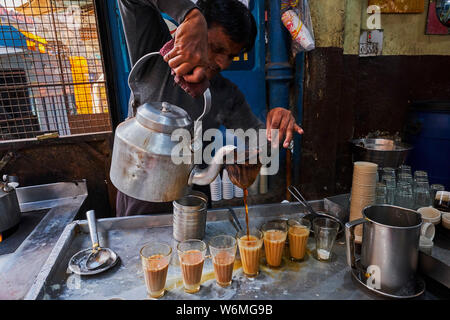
(210, 34)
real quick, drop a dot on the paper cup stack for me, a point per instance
(363, 192)
(227, 186)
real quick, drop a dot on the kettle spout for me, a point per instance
(204, 177)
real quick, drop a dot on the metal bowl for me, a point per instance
(384, 152)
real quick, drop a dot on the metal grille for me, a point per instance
(51, 69)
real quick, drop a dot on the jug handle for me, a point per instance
(350, 240)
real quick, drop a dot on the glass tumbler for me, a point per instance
(390, 172)
(155, 258)
(422, 197)
(405, 169)
(406, 177)
(298, 233)
(391, 186)
(325, 233)
(434, 189)
(404, 196)
(192, 255)
(223, 252)
(381, 193)
(250, 251)
(275, 234)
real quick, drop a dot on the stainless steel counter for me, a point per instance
(310, 279)
(18, 270)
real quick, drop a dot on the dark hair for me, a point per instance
(234, 17)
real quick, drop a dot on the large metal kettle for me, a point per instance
(142, 165)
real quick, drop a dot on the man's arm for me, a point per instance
(144, 27)
(240, 116)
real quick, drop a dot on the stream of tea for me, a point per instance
(244, 176)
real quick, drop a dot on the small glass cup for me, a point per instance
(298, 233)
(250, 251)
(192, 255)
(420, 174)
(405, 177)
(155, 258)
(390, 172)
(422, 197)
(405, 169)
(223, 253)
(381, 193)
(275, 234)
(434, 189)
(391, 185)
(404, 196)
(325, 233)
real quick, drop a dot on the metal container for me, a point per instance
(384, 152)
(390, 244)
(189, 217)
(9, 210)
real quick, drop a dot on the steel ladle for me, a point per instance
(99, 256)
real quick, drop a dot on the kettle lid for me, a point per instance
(163, 117)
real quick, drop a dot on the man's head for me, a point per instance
(231, 30)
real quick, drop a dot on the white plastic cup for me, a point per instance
(216, 189)
(238, 192)
(227, 185)
(298, 30)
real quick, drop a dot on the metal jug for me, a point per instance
(142, 165)
(390, 243)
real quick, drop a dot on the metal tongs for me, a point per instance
(312, 213)
(234, 220)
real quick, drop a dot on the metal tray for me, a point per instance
(310, 279)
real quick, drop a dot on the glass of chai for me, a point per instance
(155, 258)
(223, 253)
(250, 249)
(192, 255)
(275, 234)
(298, 233)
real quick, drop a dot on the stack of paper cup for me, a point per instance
(227, 186)
(363, 192)
(238, 192)
(298, 30)
(216, 189)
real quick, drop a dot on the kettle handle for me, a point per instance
(133, 73)
(136, 96)
(350, 240)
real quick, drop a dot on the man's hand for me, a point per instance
(284, 121)
(189, 57)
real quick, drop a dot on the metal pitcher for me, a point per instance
(142, 165)
(390, 244)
